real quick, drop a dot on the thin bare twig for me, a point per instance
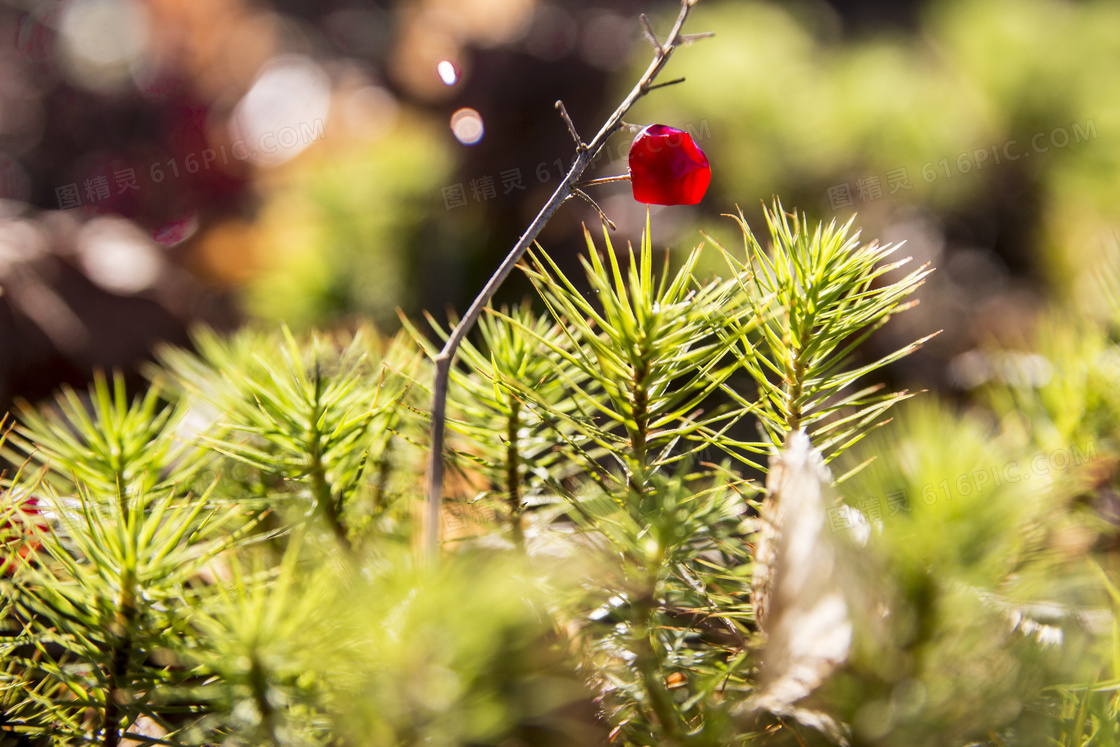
(650, 35)
(602, 216)
(603, 180)
(567, 188)
(673, 82)
(580, 146)
(687, 39)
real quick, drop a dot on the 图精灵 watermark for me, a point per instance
(100, 187)
(486, 187)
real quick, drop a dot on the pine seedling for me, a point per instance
(105, 442)
(656, 346)
(312, 422)
(818, 295)
(104, 605)
(498, 396)
(665, 626)
(649, 347)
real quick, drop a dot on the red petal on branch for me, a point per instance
(667, 167)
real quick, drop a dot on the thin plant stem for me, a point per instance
(116, 691)
(384, 470)
(320, 487)
(604, 180)
(324, 498)
(259, 682)
(571, 126)
(513, 476)
(650, 33)
(445, 358)
(639, 436)
(649, 664)
(602, 216)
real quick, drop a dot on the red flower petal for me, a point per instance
(667, 167)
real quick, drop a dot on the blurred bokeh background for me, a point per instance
(170, 162)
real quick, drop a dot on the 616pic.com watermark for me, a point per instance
(873, 509)
(98, 188)
(871, 187)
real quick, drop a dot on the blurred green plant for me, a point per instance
(335, 236)
(1090, 712)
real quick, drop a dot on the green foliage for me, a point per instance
(655, 346)
(819, 295)
(263, 636)
(1090, 711)
(107, 608)
(462, 654)
(666, 624)
(227, 558)
(951, 546)
(488, 397)
(97, 609)
(335, 234)
(1059, 389)
(314, 423)
(1055, 396)
(640, 361)
(118, 447)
